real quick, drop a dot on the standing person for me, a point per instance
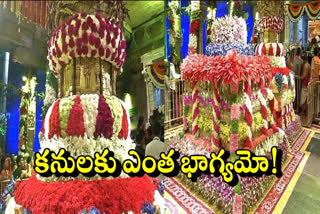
(315, 67)
(289, 61)
(142, 127)
(140, 141)
(305, 77)
(297, 67)
(156, 146)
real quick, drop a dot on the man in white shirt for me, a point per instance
(156, 146)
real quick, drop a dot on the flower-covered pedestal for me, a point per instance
(228, 104)
(283, 82)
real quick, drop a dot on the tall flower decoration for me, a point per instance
(194, 26)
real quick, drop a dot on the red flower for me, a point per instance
(75, 16)
(101, 51)
(54, 121)
(113, 42)
(71, 42)
(93, 53)
(22, 110)
(73, 196)
(92, 39)
(84, 26)
(194, 27)
(101, 32)
(76, 123)
(248, 116)
(108, 52)
(264, 111)
(248, 144)
(83, 14)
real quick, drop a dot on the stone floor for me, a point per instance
(305, 197)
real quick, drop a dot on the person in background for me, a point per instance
(140, 141)
(17, 172)
(156, 146)
(315, 67)
(297, 67)
(6, 171)
(305, 77)
(289, 61)
(142, 127)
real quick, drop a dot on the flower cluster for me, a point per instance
(87, 115)
(293, 130)
(85, 35)
(104, 125)
(274, 23)
(188, 146)
(278, 62)
(229, 29)
(258, 122)
(229, 69)
(225, 131)
(109, 196)
(51, 95)
(216, 191)
(270, 49)
(216, 49)
(76, 123)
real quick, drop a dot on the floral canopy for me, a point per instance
(156, 74)
(295, 11)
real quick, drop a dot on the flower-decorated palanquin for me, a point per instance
(86, 54)
(227, 104)
(283, 83)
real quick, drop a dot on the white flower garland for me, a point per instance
(193, 40)
(265, 147)
(268, 46)
(51, 95)
(65, 107)
(89, 103)
(278, 61)
(46, 122)
(117, 113)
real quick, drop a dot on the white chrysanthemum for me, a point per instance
(51, 95)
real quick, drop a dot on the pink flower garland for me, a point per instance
(104, 124)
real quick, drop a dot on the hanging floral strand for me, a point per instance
(12, 6)
(195, 109)
(175, 34)
(194, 26)
(32, 11)
(18, 8)
(47, 12)
(23, 9)
(38, 12)
(41, 13)
(216, 117)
